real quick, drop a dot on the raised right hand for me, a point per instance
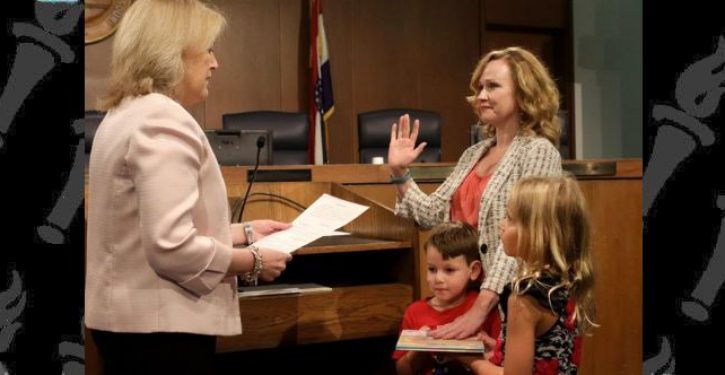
(273, 263)
(402, 150)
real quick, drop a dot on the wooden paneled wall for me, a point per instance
(384, 54)
(545, 28)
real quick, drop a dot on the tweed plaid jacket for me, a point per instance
(527, 156)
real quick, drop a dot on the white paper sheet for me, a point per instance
(329, 213)
(322, 218)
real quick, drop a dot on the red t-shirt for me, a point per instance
(466, 201)
(420, 314)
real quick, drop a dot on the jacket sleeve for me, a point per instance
(426, 210)
(433, 209)
(164, 158)
(503, 268)
(540, 159)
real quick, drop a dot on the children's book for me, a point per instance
(279, 289)
(416, 340)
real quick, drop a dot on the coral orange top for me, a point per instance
(466, 201)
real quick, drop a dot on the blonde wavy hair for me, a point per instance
(150, 41)
(551, 216)
(537, 97)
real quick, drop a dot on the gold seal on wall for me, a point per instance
(102, 17)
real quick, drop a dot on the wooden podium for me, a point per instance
(372, 273)
(379, 269)
(613, 189)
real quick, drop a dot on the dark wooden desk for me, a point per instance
(613, 189)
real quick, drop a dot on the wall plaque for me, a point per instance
(102, 17)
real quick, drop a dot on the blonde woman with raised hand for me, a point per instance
(517, 103)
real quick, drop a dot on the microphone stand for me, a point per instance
(260, 144)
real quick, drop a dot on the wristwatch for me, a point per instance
(249, 232)
(399, 180)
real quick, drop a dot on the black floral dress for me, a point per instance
(558, 351)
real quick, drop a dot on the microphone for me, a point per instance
(260, 144)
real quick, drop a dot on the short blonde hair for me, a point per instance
(552, 219)
(150, 41)
(537, 96)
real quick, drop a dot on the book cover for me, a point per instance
(416, 340)
(280, 289)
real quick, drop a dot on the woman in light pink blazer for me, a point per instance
(161, 266)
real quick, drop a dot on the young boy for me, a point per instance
(454, 270)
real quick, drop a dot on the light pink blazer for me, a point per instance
(158, 237)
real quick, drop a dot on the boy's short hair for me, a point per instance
(454, 239)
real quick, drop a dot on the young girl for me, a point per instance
(454, 269)
(549, 305)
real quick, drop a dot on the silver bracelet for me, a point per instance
(249, 232)
(399, 180)
(252, 277)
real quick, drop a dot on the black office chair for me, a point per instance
(239, 147)
(290, 132)
(91, 121)
(563, 140)
(476, 133)
(374, 133)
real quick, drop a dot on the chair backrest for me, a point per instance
(476, 134)
(239, 147)
(563, 140)
(374, 133)
(91, 121)
(290, 132)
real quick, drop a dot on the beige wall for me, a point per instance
(384, 54)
